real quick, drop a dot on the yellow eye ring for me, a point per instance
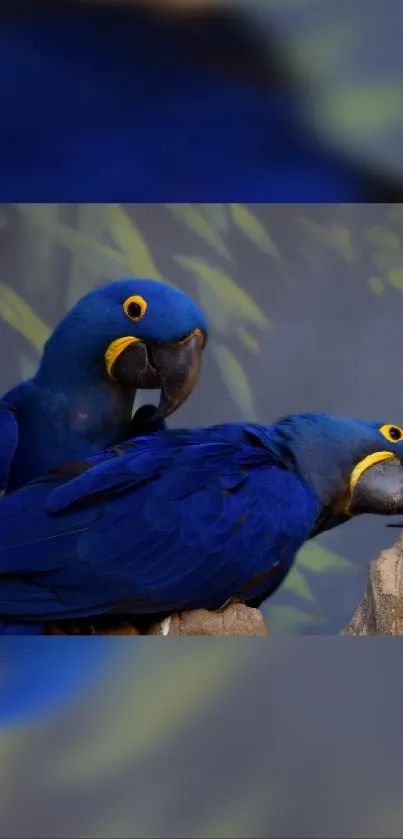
(392, 433)
(135, 307)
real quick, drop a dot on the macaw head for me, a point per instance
(354, 467)
(137, 333)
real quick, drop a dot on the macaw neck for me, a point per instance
(60, 424)
(325, 474)
(92, 411)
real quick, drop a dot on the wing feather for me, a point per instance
(165, 526)
(8, 442)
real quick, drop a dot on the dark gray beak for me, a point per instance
(379, 489)
(171, 368)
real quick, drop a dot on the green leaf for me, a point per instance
(198, 223)
(216, 215)
(318, 231)
(254, 229)
(286, 620)
(82, 277)
(100, 259)
(376, 285)
(296, 583)
(237, 302)
(131, 242)
(361, 111)
(40, 247)
(395, 277)
(220, 318)
(342, 241)
(236, 380)
(320, 560)
(248, 340)
(381, 237)
(336, 236)
(16, 312)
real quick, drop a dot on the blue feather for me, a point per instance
(176, 520)
(8, 443)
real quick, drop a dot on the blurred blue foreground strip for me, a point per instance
(41, 675)
(112, 103)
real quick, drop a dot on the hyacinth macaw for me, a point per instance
(127, 335)
(187, 519)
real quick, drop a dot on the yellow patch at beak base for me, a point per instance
(365, 464)
(197, 333)
(115, 349)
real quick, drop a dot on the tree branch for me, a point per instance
(381, 610)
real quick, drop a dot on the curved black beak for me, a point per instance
(171, 368)
(379, 489)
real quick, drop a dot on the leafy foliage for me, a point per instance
(116, 246)
(371, 250)
(16, 312)
(253, 228)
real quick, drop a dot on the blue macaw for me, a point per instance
(124, 336)
(127, 335)
(186, 519)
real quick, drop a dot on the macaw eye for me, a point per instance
(392, 433)
(135, 307)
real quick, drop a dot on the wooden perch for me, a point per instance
(235, 619)
(381, 610)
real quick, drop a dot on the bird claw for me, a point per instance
(228, 603)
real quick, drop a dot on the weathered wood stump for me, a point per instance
(234, 619)
(381, 610)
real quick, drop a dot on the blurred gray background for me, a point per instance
(347, 57)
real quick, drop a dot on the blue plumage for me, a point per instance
(8, 443)
(187, 519)
(81, 398)
(116, 102)
(73, 406)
